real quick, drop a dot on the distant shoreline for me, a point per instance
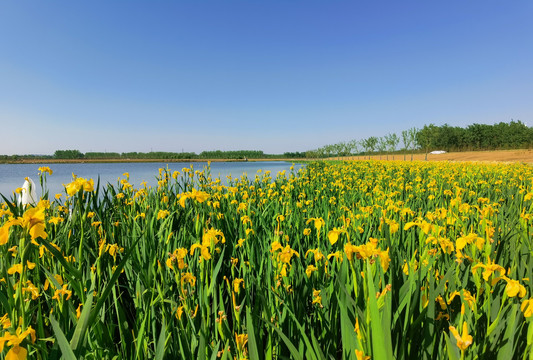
(96, 161)
(516, 155)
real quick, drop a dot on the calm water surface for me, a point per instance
(12, 175)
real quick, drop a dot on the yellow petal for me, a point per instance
(527, 308)
(38, 231)
(409, 225)
(17, 353)
(333, 236)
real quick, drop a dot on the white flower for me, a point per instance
(28, 194)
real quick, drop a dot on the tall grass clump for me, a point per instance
(351, 260)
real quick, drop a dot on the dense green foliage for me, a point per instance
(512, 135)
(158, 155)
(241, 154)
(153, 155)
(405, 260)
(101, 155)
(15, 158)
(68, 154)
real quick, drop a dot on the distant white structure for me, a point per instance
(438, 152)
(28, 194)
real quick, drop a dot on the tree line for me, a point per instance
(512, 135)
(155, 155)
(382, 145)
(500, 136)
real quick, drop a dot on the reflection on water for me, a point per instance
(12, 175)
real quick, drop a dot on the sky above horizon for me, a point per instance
(278, 76)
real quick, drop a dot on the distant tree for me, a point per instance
(337, 149)
(431, 137)
(364, 144)
(294, 155)
(392, 141)
(382, 145)
(235, 154)
(373, 142)
(344, 148)
(102, 155)
(68, 154)
(412, 134)
(353, 146)
(311, 154)
(330, 150)
(407, 141)
(426, 138)
(514, 134)
(477, 136)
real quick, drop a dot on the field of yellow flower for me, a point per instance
(350, 260)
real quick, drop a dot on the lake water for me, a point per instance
(12, 175)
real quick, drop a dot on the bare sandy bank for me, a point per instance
(522, 155)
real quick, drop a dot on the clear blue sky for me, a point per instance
(276, 76)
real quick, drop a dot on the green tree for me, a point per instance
(409, 140)
(68, 154)
(382, 145)
(426, 138)
(392, 141)
(354, 146)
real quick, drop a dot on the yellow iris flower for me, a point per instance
(463, 341)
(236, 285)
(33, 220)
(17, 352)
(333, 235)
(490, 268)
(318, 222)
(310, 269)
(527, 307)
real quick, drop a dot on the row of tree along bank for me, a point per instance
(501, 136)
(154, 155)
(513, 135)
